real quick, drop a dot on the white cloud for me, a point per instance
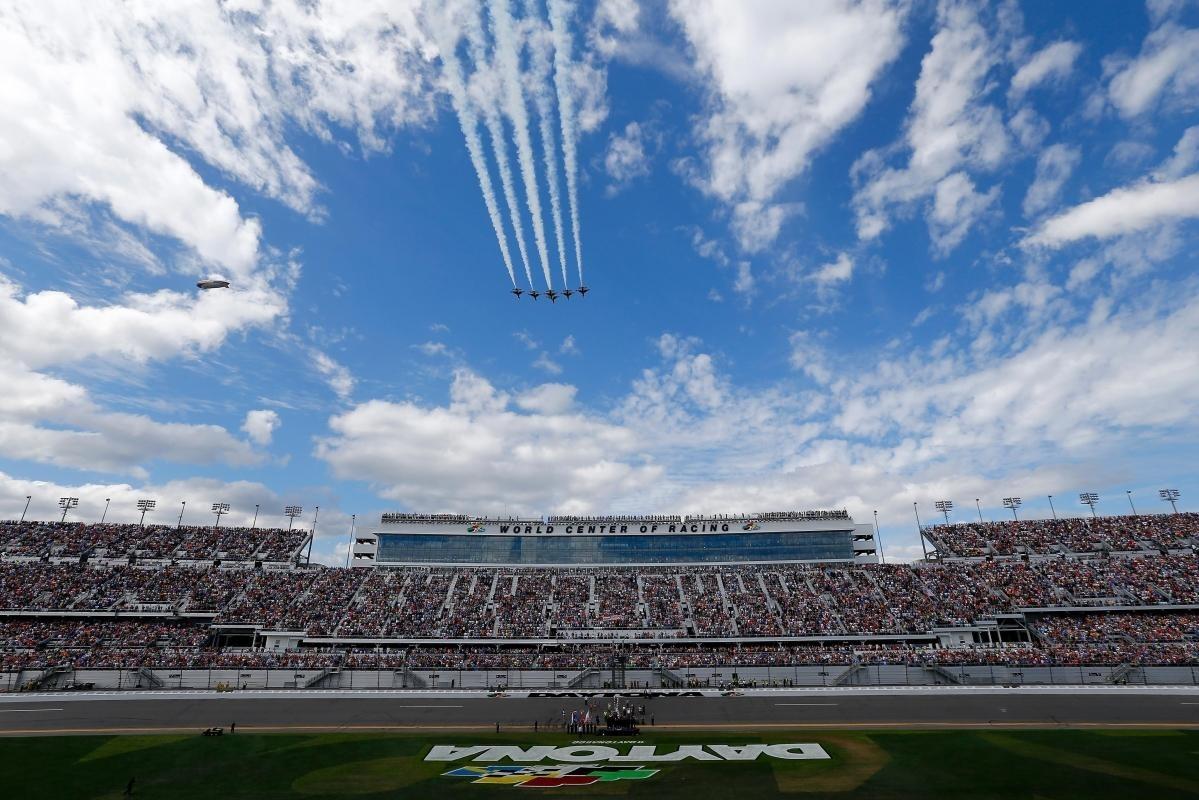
(337, 376)
(626, 158)
(840, 270)
(951, 129)
(1052, 62)
(106, 102)
(528, 341)
(568, 346)
(1055, 165)
(477, 454)
(548, 398)
(1121, 211)
(785, 78)
(51, 327)
(432, 349)
(744, 283)
(1167, 68)
(260, 425)
(544, 363)
(1184, 159)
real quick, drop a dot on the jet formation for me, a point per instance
(551, 294)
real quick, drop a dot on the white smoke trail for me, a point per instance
(559, 19)
(507, 56)
(540, 48)
(495, 131)
(469, 121)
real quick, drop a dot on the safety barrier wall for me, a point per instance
(569, 680)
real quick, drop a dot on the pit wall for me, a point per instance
(697, 677)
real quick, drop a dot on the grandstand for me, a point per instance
(665, 601)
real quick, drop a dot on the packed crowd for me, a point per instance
(1143, 532)
(122, 541)
(770, 601)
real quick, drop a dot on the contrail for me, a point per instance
(469, 121)
(540, 49)
(508, 60)
(566, 112)
(495, 131)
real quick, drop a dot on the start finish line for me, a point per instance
(642, 753)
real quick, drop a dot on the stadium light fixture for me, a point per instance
(1168, 495)
(980, 509)
(144, 506)
(920, 530)
(104, 516)
(28, 497)
(354, 520)
(1130, 505)
(1089, 499)
(66, 504)
(944, 506)
(879, 538)
(1052, 510)
(254, 524)
(218, 509)
(1012, 503)
(291, 512)
(182, 508)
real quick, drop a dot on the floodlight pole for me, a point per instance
(980, 509)
(312, 535)
(104, 516)
(29, 497)
(879, 537)
(254, 524)
(1130, 505)
(1051, 508)
(920, 530)
(354, 520)
(1169, 495)
(182, 508)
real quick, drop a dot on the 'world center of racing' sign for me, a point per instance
(586, 764)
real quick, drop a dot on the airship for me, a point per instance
(212, 283)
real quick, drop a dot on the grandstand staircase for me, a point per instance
(1120, 674)
(148, 675)
(410, 680)
(326, 679)
(47, 678)
(669, 679)
(948, 675)
(584, 678)
(845, 677)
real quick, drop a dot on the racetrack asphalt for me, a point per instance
(143, 712)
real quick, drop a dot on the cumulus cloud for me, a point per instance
(337, 376)
(260, 425)
(628, 156)
(106, 102)
(1052, 62)
(783, 79)
(952, 131)
(480, 454)
(1055, 165)
(1129, 209)
(1166, 70)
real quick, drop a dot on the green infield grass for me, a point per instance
(996, 763)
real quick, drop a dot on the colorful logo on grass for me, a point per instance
(476, 527)
(550, 776)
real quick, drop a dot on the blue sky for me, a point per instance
(851, 254)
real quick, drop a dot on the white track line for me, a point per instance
(807, 704)
(24, 710)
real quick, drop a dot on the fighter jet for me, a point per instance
(552, 295)
(583, 290)
(534, 293)
(212, 283)
(567, 293)
(518, 293)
